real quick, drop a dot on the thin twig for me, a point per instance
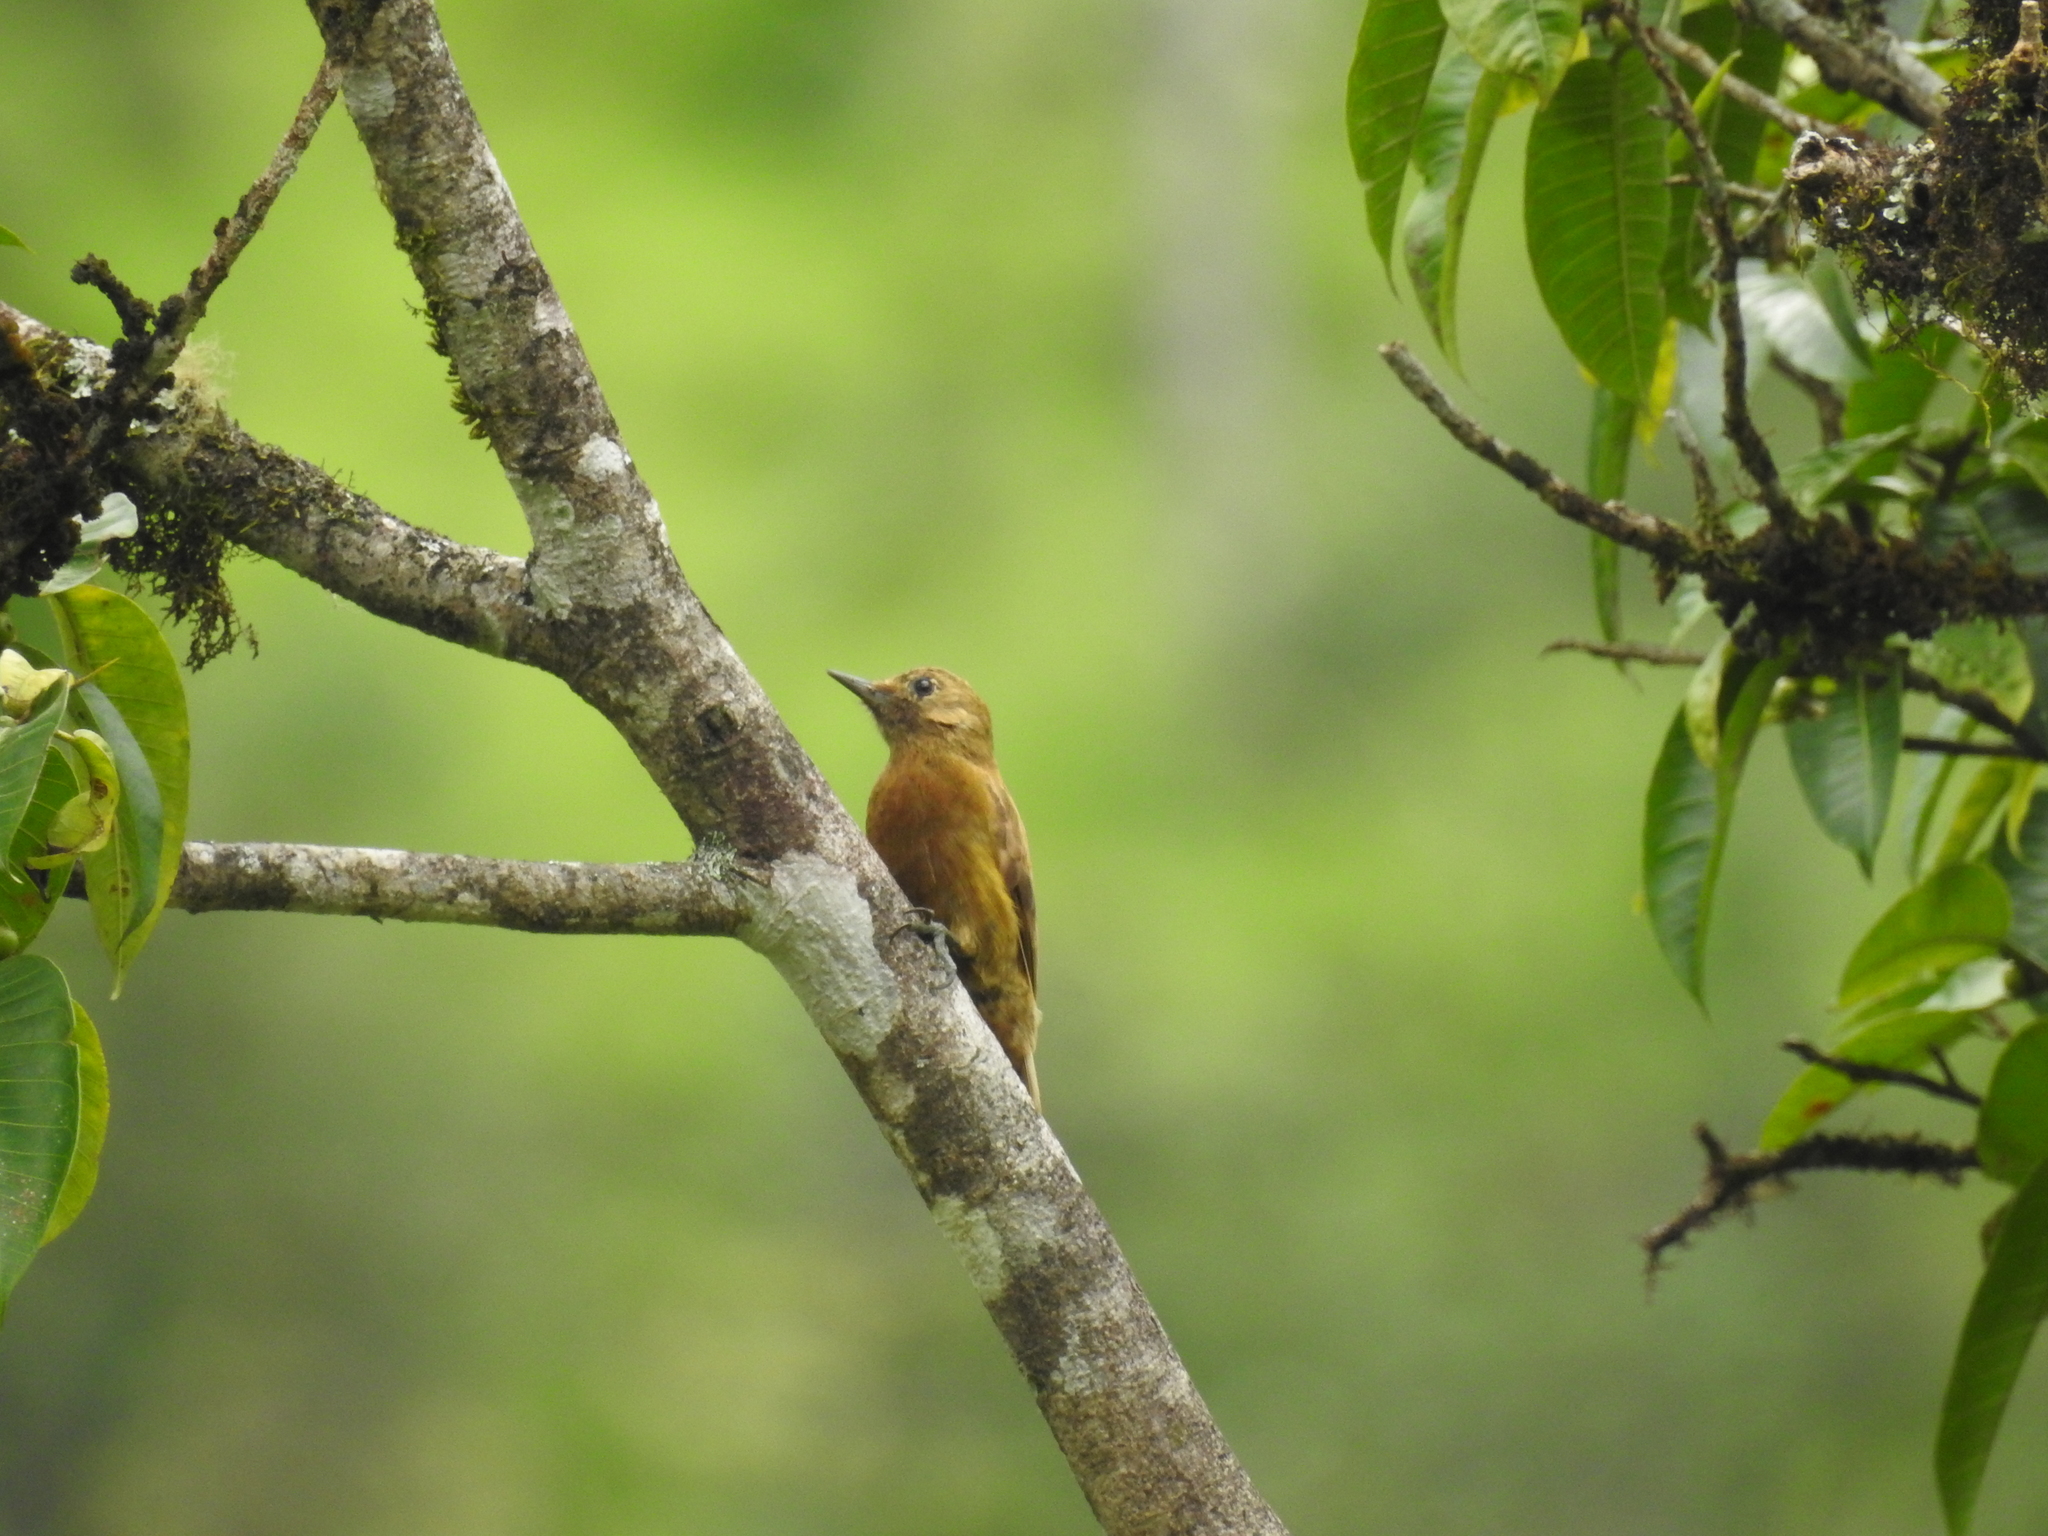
(1734, 1179)
(1756, 240)
(1979, 707)
(1741, 430)
(181, 313)
(1619, 521)
(1706, 496)
(1755, 196)
(1629, 650)
(1864, 1072)
(1828, 404)
(1941, 746)
(1740, 91)
(1948, 1073)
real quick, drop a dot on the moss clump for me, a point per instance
(1958, 224)
(65, 428)
(45, 489)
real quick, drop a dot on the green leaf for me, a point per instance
(1981, 801)
(1983, 655)
(1820, 475)
(1782, 309)
(1897, 1040)
(1398, 44)
(2026, 448)
(1956, 914)
(9, 237)
(93, 1103)
(1450, 147)
(1532, 39)
(23, 746)
(2023, 862)
(1702, 707)
(2003, 1317)
(2011, 516)
(1687, 814)
(1930, 779)
(1845, 761)
(1595, 209)
(137, 702)
(2012, 1126)
(24, 906)
(39, 1106)
(1681, 854)
(1900, 384)
(1824, 275)
(1607, 451)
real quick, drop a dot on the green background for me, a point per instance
(1034, 340)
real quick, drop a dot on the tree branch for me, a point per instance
(1620, 522)
(1942, 746)
(1630, 650)
(1864, 1072)
(1739, 90)
(708, 895)
(1734, 1180)
(1736, 422)
(1879, 67)
(180, 314)
(605, 607)
(1981, 708)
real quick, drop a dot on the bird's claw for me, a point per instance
(927, 927)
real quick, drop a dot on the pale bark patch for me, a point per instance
(816, 929)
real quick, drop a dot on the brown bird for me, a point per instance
(946, 826)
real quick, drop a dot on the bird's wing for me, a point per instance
(1013, 858)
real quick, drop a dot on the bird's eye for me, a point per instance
(923, 687)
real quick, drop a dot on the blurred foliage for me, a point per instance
(1034, 341)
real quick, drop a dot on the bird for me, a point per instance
(946, 827)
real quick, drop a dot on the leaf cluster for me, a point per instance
(94, 766)
(1667, 170)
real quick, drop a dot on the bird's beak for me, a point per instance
(859, 686)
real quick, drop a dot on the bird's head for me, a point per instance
(926, 706)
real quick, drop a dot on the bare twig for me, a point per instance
(1756, 197)
(1827, 401)
(1948, 1073)
(1979, 707)
(179, 314)
(1619, 521)
(1706, 496)
(1864, 1072)
(1736, 421)
(153, 337)
(1740, 91)
(1629, 650)
(1756, 240)
(1734, 1180)
(1941, 746)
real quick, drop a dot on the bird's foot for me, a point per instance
(927, 927)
